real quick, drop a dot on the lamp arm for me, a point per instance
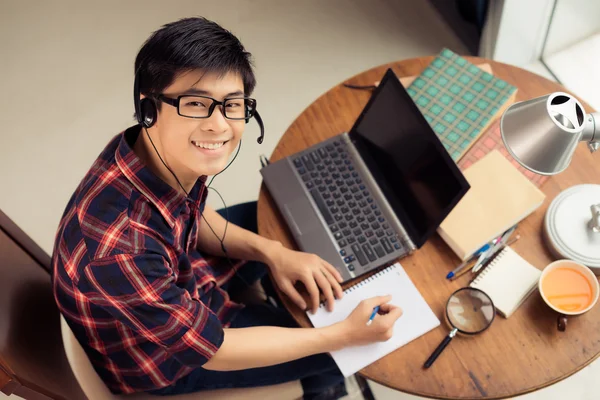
(591, 131)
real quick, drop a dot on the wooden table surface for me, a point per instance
(514, 356)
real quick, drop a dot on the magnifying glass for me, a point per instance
(469, 311)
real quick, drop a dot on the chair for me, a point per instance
(36, 363)
(33, 364)
(94, 388)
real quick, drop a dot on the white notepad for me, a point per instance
(508, 280)
(417, 317)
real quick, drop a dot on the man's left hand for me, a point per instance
(289, 267)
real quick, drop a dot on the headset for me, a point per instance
(146, 114)
(146, 111)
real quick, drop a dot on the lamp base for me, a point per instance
(566, 226)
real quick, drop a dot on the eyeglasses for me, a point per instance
(235, 108)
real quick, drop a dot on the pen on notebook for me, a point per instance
(483, 256)
(464, 271)
(462, 266)
(491, 258)
(375, 310)
(500, 242)
(481, 260)
(456, 270)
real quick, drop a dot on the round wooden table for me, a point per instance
(514, 356)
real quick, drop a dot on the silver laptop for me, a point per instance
(367, 197)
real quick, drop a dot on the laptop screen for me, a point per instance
(411, 166)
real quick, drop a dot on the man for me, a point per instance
(143, 269)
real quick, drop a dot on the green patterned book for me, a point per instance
(459, 100)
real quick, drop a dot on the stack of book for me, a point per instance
(463, 104)
(459, 100)
(499, 198)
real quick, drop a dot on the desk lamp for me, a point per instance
(542, 135)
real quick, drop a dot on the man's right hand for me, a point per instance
(356, 330)
(247, 348)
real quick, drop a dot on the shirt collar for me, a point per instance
(167, 200)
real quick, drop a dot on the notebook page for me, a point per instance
(416, 320)
(508, 280)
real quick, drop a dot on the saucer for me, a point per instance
(566, 226)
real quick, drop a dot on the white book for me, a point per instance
(509, 279)
(416, 320)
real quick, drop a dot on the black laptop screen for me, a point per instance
(419, 179)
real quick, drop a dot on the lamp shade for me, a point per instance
(542, 133)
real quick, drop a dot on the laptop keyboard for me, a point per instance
(359, 227)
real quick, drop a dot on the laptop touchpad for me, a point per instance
(303, 216)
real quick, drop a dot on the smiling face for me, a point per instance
(193, 147)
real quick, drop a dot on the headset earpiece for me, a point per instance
(145, 109)
(247, 112)
(148, 108)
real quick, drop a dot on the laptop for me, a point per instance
(373, 195)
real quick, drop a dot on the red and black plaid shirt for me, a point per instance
(144, 303)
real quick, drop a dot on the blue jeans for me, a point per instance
(318, 374)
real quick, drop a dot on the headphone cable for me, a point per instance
(221, 240)
(230, 162)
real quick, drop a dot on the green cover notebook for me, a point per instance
(459, 100)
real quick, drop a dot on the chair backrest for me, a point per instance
(95, 389)
(33, 364)
(40, 358)
(85, 374)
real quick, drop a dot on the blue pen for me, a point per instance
(467, 261)
(484, 248)
(499, 242)
(375, 310)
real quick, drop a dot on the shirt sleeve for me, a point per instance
(140, 292)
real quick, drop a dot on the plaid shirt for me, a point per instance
(146, 306)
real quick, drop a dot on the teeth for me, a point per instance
(209, 146)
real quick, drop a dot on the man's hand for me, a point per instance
(356, 332)
(289, 267)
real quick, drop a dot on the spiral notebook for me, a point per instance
(416, 320)
(509, 279)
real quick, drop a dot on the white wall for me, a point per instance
(574, 20)
(515, 30)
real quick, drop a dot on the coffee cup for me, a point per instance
(569, 288)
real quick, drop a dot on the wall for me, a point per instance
(515, 30)
(573, 21)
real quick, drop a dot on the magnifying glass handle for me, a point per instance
(440, 348)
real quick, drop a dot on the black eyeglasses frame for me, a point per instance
(249, 112)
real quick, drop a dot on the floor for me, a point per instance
(68, 80)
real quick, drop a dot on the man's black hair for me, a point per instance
(191, 44)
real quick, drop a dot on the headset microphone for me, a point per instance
(261, 126)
